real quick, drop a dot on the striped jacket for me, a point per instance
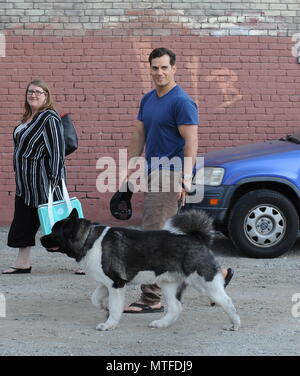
(39, 158)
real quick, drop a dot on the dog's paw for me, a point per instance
(157, 324)
(232, 328)
(104, 326)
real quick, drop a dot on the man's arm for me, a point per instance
(190, 134)
(136, 145)
(135, 148)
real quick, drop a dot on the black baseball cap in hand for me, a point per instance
(120, 205)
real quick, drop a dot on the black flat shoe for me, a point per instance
(228, 278)
(18, 271)
(144, 308)
(79, 272)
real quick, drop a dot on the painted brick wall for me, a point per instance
(235, 58)
(155, 17)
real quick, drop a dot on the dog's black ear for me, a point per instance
(74, 213)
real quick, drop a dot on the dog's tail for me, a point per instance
(192, 222)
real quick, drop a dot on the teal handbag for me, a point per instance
(53, 212)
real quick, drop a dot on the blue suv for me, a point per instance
(253, 194)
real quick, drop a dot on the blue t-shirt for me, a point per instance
(161, 117)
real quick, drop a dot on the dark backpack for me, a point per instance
(70, 135)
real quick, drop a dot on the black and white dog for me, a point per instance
(177, 256)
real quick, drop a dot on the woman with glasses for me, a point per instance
(38, 161)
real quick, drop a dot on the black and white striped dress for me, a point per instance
(39, 158)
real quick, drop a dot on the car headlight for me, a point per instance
(213, 175)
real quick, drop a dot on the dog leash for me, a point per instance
(179, 206)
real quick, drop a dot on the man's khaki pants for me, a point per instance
(160, 203)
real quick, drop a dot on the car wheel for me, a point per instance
(263, 223)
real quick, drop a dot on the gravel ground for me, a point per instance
(49, 313)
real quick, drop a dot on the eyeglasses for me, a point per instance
(38, 93)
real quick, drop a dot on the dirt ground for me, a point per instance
(48, 312)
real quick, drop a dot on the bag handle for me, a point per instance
(50, 200)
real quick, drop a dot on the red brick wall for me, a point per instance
(247, 88)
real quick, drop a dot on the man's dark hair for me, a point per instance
(161, 51)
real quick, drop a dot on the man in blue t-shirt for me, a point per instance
(169, 119)
(167, 127)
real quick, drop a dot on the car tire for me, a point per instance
(263, 224)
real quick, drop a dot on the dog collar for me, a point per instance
(87, 239)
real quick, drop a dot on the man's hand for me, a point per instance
(186, 188)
